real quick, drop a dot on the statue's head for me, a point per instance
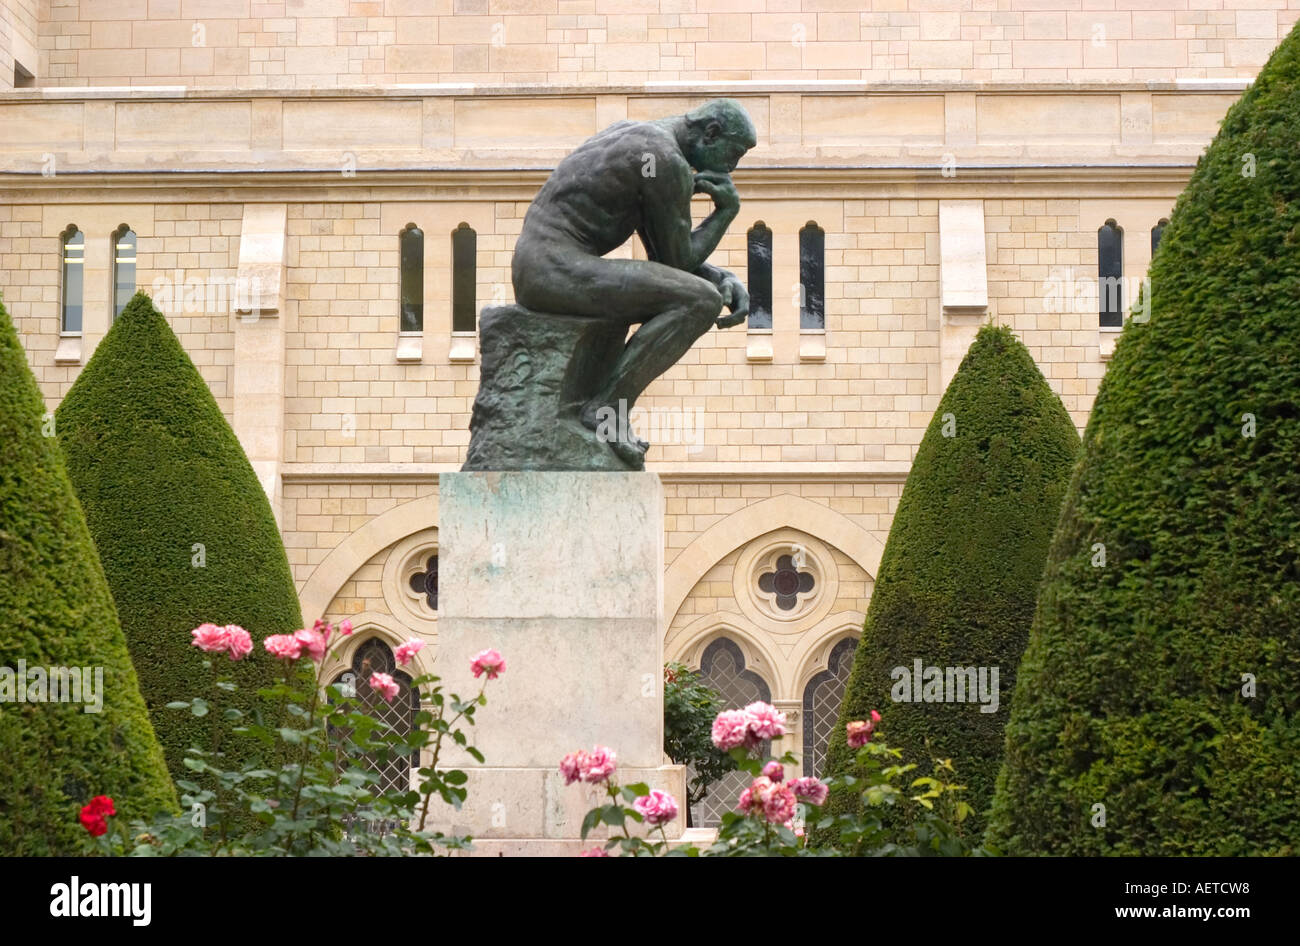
(718, 134)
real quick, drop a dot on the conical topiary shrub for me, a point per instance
(1156, 711)
(182, 525)
(56, 612)
(955, 595)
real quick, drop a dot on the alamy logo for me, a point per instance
(53, 685)
(923, 684)
(77, 899)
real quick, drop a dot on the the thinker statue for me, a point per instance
(633, 177)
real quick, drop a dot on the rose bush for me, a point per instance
(767, 822)
(310, 803)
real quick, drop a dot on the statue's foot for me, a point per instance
(626, 445)
(631, 452)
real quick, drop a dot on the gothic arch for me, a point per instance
(354, 551)
(757, 519)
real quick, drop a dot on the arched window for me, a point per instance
(759, 240)
(464, 273)
(1110, 275)
(374, 656)
(1157, 232)
(812, 276)
(123, 268)
(821, 705)
(722, 668)
(411, 242)
(73, 243)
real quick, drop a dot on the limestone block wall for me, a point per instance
(349, 401)
(305, 43)
(20, 24)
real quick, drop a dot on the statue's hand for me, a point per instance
(718, 186)
(736, 298)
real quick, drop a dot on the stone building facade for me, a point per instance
(922, 166)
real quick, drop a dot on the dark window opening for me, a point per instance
(812, 267)
(759, 240)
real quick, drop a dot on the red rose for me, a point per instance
(93, 815)
(92, 822)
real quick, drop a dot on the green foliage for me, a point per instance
(1131, 691)
(183, 527)
(963, 562)
(57, 612)
(936, 822)
(324, 798)
(689, 710)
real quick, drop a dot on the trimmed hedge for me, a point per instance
(1132, 693)
(961, 568)
(56, 611)
(160, 473)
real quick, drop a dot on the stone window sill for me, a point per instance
(410, 347)
(69, 350)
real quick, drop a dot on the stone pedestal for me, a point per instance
(563, 573)
(536, 372)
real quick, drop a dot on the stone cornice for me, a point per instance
(368, 473)
(676, 88)
(1028, 180)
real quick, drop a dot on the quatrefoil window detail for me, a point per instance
(426, 582)
(787, 583)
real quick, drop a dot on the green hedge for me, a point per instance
(163, 481)
(1131, 694)
(56, 611)
(961, 569)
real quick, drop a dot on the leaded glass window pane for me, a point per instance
(821, 706)
(426, 582)
(722, 668)
(374, 656)
(760, 276)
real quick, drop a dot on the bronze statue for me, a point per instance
(633, 177)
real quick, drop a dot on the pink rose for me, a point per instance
(657, 808)
(754, 798)
(211, 639)
(598, 764)
(385, 684)
(765, 721)
(594, 852)
(345, 628)
(779, 805)
(490, 661)
(859, 732)
(312, 641)
(775, 771)
(238, 642)
(284, 646)
(730, 728)
(324, 629)
(572, 766)
(810, 789)
(406, 652)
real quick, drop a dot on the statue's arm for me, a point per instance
(666, 215)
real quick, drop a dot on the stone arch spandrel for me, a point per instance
(745, 525)
(354, 551)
